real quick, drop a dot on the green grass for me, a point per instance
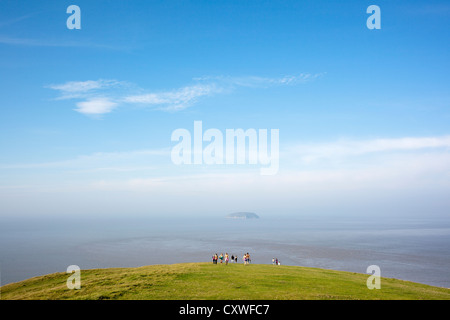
(204, 281)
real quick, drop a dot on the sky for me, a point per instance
(87, 114)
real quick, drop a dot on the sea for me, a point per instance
(413, 249)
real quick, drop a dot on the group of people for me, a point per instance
(225, 257)
(246, 259)
(276, 262)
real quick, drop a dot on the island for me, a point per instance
(242, 215)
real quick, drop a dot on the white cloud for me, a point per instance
(99, 160)
(100, 97)
(395, 172)
(389, 175)
(344, 148)
(396, 185)
(79, 86)
(176, 99)
(83, 89)
(261, 82)
(96, 106)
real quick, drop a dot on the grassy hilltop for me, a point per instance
(207, 281)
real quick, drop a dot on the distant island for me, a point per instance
(243, 215)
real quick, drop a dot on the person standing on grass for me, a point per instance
(226, 258)
(221, 257)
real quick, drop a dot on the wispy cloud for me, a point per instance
(391, 174)
(17, 19)
(176, 99)
(102, 96)
(347, 147)
(260, 82)
(99, 96)
(395, 150)
(31, 42)
(98, 160)
(83, 89)
(82, 86)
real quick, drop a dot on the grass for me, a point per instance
(205, 281)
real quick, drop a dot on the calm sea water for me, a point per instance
(409, 249)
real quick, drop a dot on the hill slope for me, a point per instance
(207, 281)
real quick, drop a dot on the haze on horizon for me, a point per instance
(87, 115)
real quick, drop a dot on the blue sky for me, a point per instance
(87, 115)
